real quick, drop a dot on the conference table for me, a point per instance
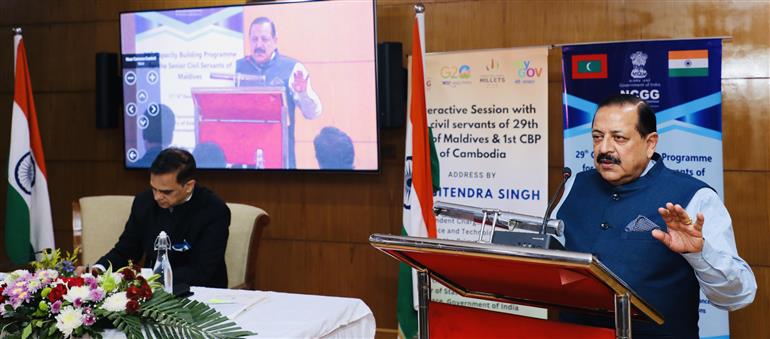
(287, 315)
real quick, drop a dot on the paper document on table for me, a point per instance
(249, 302)
(230, 304)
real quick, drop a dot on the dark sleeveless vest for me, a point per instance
(596, 214)
(277, 72)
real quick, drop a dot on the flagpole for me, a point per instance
(423, 279)
(419, 10)
(16, 38)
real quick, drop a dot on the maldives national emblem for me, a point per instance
(638, 59)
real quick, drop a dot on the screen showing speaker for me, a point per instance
(275, 86)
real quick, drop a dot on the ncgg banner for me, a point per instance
(681, 80)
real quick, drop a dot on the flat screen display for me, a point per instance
(276, 86)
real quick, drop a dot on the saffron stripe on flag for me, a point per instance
(688, 54)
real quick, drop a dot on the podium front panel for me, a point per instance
(240, 104)
(243, 121)
(527, 281)
(241, 140)
(452, 321)
(529, 276)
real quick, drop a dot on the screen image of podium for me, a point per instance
(249, 124)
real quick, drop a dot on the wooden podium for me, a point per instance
(244, 121)
(554, 279)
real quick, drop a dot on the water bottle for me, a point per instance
(162, 263)
(260, 159)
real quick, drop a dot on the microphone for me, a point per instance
(566, 173)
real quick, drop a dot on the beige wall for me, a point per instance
(317, 242)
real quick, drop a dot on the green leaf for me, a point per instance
(26, 332)
(52, 329)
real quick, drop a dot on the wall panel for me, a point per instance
(746, 122)
(751, 322)
(746, 198)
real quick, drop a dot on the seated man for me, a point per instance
(665, 233)
(195, 219)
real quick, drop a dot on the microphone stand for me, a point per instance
(566, 174)
(541, 239)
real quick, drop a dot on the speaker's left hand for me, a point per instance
(684, 235)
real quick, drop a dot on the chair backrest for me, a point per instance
(97, 222)
(246, 224)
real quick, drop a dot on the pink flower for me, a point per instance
(91, 282)
(88, 316)
(56, 307)
(89, 320)
(18, 296)
(96, 295)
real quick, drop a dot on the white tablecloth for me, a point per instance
(286, 315)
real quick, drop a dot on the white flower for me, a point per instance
(47, 276)
(68, 320)
(10, 278)
(115, 303)
(77, 292)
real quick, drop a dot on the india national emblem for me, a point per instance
(638, 59)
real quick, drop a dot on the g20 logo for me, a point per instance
(454, 72)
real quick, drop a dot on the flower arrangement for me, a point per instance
(52, 302)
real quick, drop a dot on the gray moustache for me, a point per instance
(602, 158)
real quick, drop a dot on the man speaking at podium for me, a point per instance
(665, 233)
(279, 70)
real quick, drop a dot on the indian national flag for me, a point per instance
(28, 226)
(691, 63)
(420, 180)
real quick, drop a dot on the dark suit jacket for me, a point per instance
(203, 222)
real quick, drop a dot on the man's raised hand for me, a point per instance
(684, 235)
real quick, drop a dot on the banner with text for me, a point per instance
(680, 79)
(489, 113)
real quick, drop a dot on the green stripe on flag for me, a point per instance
(434, 165)
(17, 242)
(407, 316)
(688, 72)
